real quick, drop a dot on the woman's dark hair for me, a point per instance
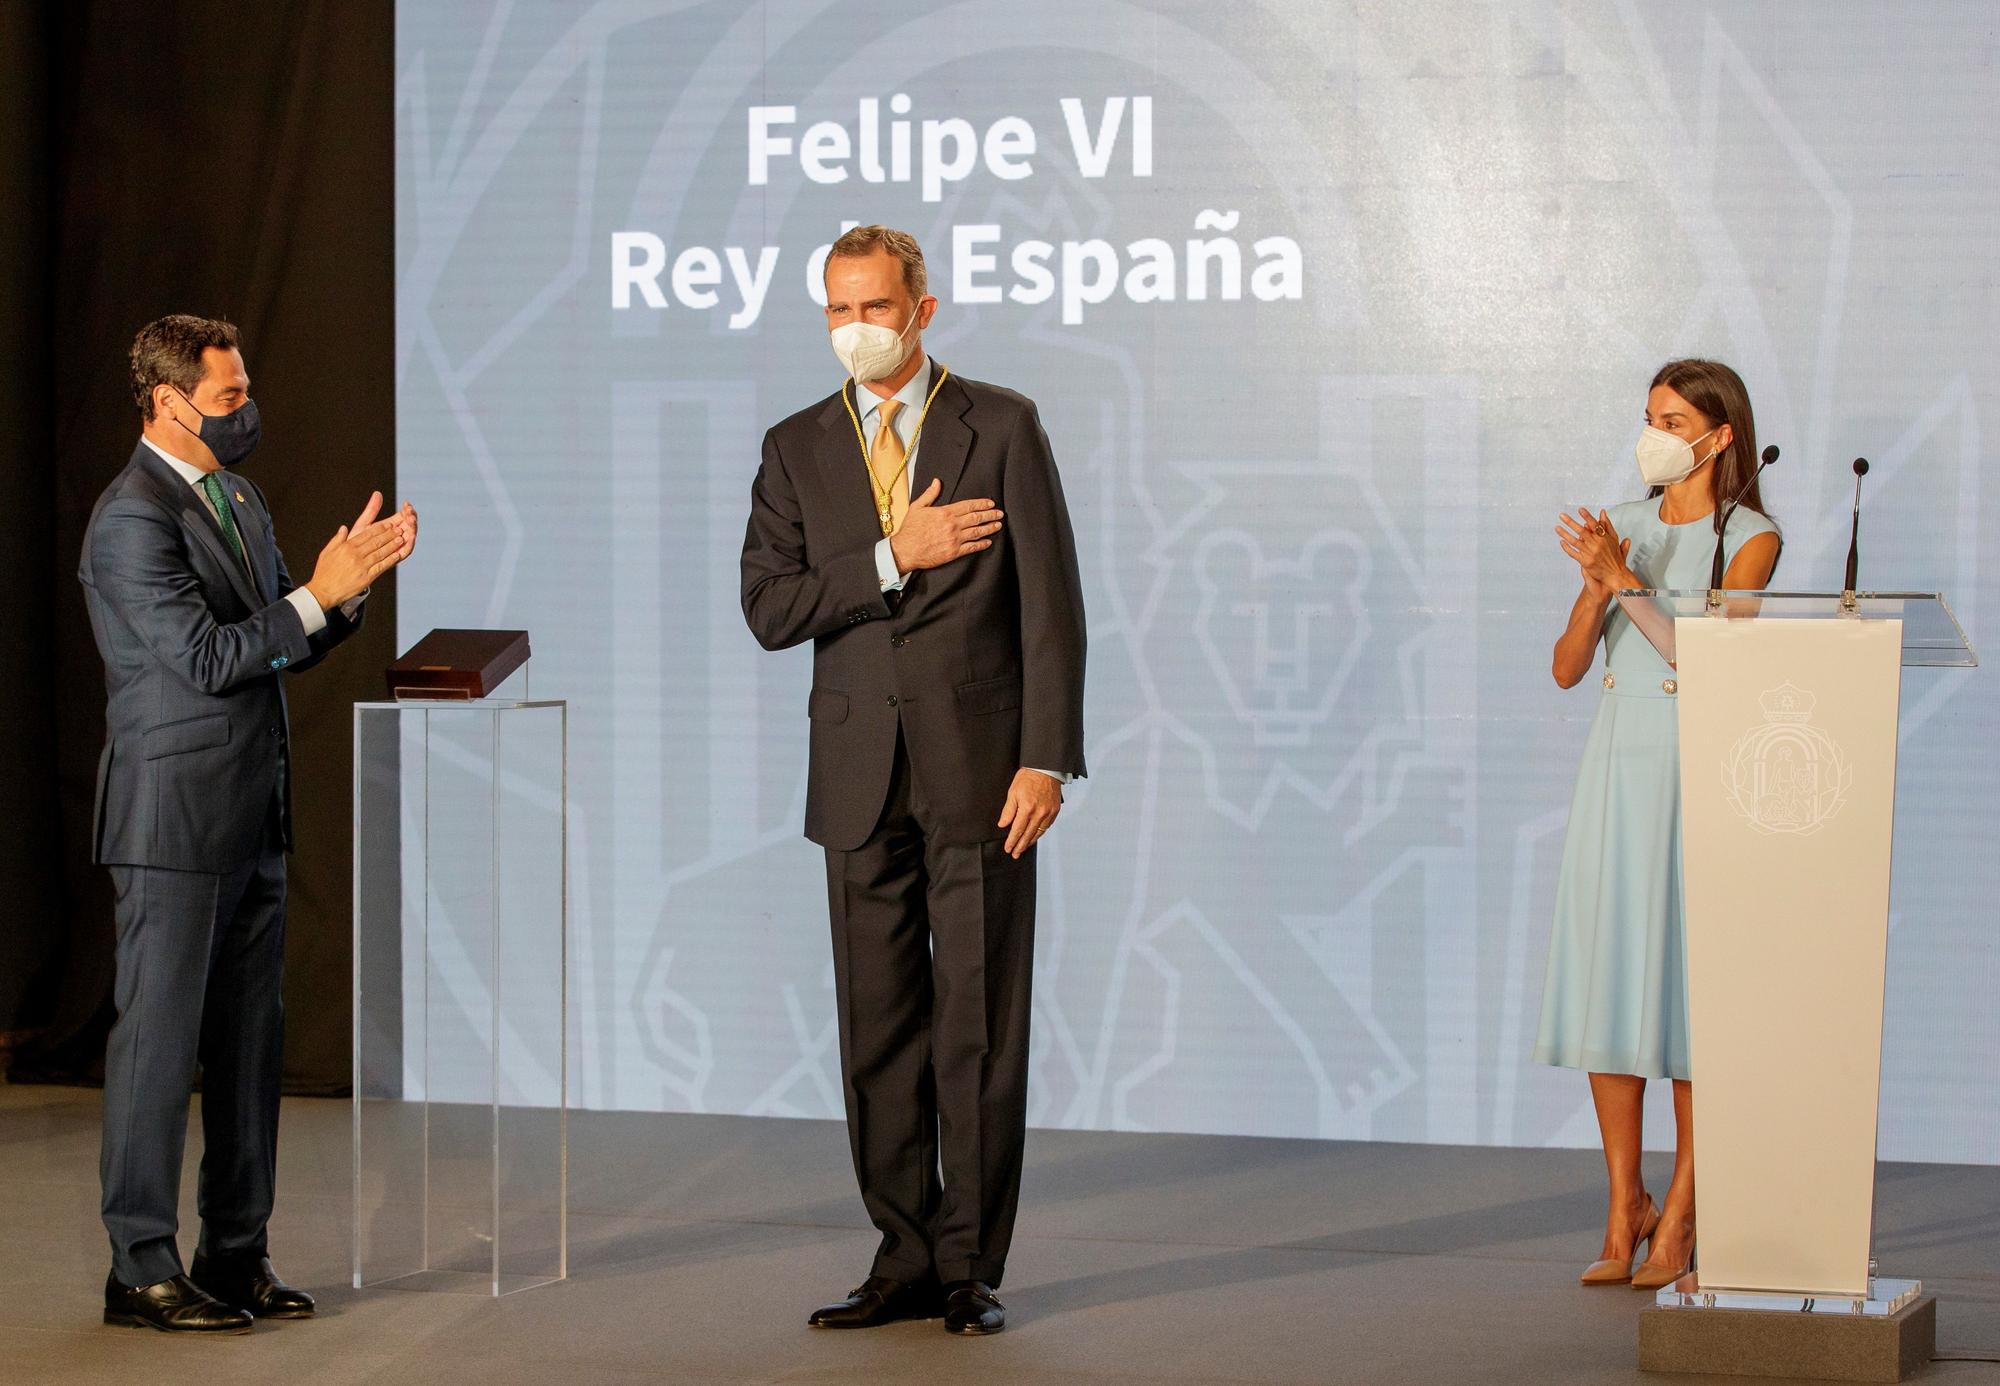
(1717, 391)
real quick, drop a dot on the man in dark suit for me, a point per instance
(199, 623)
(913, 528)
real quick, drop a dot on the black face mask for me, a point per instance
(231, 437)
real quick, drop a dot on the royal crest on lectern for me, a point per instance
(1787, 776)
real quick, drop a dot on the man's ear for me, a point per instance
(926, 307)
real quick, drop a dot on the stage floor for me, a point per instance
(698, 1244)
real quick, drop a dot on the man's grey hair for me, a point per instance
(866, 240)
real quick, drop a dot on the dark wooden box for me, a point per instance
(458, 664)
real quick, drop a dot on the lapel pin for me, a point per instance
(239, 498)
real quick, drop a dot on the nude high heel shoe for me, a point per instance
(1620, 1272)
(1652, 1277)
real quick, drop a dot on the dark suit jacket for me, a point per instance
(194, 651)
(980, 661)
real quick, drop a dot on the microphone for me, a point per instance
(1854, 531)
(1722, 526)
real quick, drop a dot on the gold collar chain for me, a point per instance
(884, 495)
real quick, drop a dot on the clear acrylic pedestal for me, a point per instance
(460, 995)
(1884, 1297)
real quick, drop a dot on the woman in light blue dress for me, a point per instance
(1615, 1002)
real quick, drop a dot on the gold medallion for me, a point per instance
(884, 495)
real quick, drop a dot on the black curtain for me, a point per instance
(234, 161)
(33, 907)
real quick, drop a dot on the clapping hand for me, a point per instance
(361, 552)
(1599, 553)
(405, 520)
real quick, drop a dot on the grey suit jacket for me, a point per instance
(979, 663)
(194, 648)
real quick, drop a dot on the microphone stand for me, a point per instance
(1722, 527)
(1847, 602)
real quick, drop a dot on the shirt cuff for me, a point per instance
(885, 568)
(352, 605)
(1059, 776)
(311, 616)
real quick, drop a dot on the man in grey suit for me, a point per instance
(947, 713)
(199, 623)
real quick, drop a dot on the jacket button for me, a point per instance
(892, 700)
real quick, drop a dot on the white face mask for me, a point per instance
(869, 351)
(1665, 458)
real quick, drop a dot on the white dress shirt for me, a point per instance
(916, 390)
(311, 615)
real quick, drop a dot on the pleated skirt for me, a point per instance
(1615, 997)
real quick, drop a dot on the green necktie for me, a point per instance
(211, 483)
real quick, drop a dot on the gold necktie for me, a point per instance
(886, 462)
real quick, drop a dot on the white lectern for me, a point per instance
(1788, 705)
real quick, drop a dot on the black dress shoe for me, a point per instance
(172, 1306)
(879, 1300)
(252, 1285)
(971, 1308)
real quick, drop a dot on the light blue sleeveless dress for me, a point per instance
(1615, 999)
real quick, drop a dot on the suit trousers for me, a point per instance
(200, 968)
(933, 957)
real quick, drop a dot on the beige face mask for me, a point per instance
(1665, 458)
(870, 351)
